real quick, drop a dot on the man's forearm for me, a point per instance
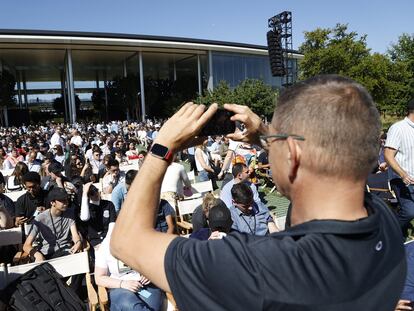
(138, 213)
(390, 159)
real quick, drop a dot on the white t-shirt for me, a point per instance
(174, 178)
(76, 140)
(117, 269)
(205, 158)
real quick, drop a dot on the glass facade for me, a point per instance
(235, 68)
(105, 84)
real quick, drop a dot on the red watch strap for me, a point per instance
(169, 156)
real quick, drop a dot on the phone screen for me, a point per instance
(219, 124)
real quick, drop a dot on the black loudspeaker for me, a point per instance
(274, 46)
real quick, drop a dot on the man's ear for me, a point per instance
(295, 153)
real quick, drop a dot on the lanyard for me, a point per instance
(54, 229)
(252, 231)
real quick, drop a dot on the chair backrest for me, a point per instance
(280, 222)
(202, 187)
(14, 195)
(66, 266)
(188, 206)
(11, 236)
(379, 185)
(191, 176)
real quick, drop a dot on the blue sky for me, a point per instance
(227, 20)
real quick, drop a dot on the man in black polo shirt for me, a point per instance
(33, 201)
(343, 250)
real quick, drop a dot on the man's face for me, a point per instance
(114, 170)
(278, 155)
(60, 205)
(54, 176)
(244, 175)
(245, 208)
(32, 188)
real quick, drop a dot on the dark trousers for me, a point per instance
(405, 197)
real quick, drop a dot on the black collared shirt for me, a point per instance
(317, 265)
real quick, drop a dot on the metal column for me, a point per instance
(71, 86)
(200, 90)
(210, 84)
(141, 80)
(19, 89)
(26, 101)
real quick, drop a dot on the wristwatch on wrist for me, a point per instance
(162, 152)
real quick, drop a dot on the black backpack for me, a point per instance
(42, 289)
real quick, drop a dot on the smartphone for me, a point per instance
(219, 124)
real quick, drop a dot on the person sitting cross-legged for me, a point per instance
(57, 230)
(248, 216)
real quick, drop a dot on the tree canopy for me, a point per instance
(257, 95)
(340, 51)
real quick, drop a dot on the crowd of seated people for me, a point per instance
(74, 188)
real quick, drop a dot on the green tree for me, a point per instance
(253, 93)
(402, 55)
(339, 51)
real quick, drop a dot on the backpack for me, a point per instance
(42, 289)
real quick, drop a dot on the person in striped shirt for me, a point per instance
(399, 154)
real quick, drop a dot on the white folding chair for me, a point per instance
(66, 266)
(186, 208)
(14, 195)
(191, 176)
(12, 236)
(280, 222)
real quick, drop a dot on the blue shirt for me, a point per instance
(225, 194)
(118, 196)
(255, 223)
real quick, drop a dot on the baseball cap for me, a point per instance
(219, 217)
(55, 167)
(57, 194)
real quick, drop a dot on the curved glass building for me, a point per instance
(76, 75)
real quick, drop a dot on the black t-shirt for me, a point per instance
(100, 217)
(8, 204)
(317, 265)
(26, 204)
(198, 219)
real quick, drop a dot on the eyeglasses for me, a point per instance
(266, 140)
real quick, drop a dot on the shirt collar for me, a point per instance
(361, 226)
(410, 123)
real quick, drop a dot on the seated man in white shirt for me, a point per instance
(33, 164)
(128, 289)
(240, 173)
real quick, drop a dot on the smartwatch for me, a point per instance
(162, 152)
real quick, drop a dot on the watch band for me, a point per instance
(162, 152)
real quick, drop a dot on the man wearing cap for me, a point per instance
(56, 178)
(343, 250)
(57, 229)
(399, 154)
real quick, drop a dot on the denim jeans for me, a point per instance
(405, 197)
(125, 300)
(203, 176)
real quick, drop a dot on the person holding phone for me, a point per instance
(343, 250)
